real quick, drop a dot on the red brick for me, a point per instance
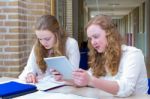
(15, 3)
(11, 49)
(11, 10)
(13, 43)
(2, 30)
(11, 36)
(11, 63)
(1, 64)
(2, 17)
(15, 16)
(1, 49)
(9, 56)
(2, 3)
(11, 74)
(3, 69)
(14, 30)
(14, 69)
(3, 43)
(11, 23)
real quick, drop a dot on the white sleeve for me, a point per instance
(30, 67)
(72, 51)
(89, 71)
(133, 64)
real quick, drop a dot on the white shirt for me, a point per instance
(72, 52)
(132, 74)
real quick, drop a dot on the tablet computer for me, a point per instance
(61, 64)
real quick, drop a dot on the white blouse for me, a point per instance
(72, 52)
(132, 74)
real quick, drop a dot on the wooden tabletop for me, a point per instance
(86, 91)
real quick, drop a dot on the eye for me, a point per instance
(96, 36)
(47, 39)
(40, 39)
(89, 39)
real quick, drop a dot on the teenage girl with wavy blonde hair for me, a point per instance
(114, 67)
(51, 41)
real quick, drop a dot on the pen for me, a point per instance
(54, 88)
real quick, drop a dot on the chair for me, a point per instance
(83, 60)
(149, 86)
(84, 56)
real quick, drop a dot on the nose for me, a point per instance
(93, 42)
(43, 42)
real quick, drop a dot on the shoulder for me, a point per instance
(132, 59)
(130, 53)
(33, 49)
(71, 41)
(130, 49)
(71, 44)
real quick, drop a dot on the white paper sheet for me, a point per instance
(46, 95)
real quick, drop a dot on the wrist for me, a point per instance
(30, 73)
(90, 83)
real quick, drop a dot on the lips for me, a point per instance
(96, 47)
(46, 46)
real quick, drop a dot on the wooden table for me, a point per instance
(86, 91)
(95, 93)
(3, 79)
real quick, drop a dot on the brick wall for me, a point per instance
(17, 18)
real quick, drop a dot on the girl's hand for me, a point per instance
(57, 75)
(81, 77)
(31, 78)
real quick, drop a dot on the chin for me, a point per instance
(47, 48)
(100, 51)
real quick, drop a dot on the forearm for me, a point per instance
(105, 85)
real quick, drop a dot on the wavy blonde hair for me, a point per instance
(111, 56)
(49, 22)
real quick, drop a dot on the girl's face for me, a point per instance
(46, 38)
(97, 36)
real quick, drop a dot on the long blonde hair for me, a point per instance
(49, 22)
(111, 56)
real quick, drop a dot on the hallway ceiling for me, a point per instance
(115, 8)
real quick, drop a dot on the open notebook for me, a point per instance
(13, 89)
(49, 84)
